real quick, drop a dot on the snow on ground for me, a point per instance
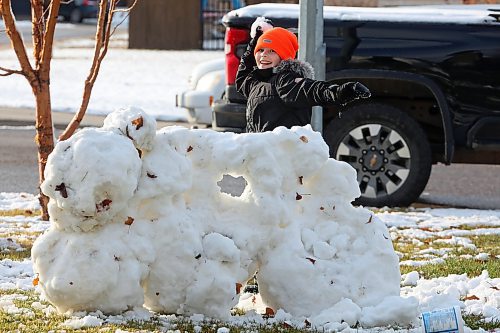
(149, 79)
(10, 201)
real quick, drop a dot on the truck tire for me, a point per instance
(388, 149)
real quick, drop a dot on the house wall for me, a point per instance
(166, 25)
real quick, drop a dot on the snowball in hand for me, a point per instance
(170, 230)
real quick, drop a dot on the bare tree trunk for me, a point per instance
(44, 130)
(44, 138)
(38, 77)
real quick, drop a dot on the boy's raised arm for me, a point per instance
(247, 62)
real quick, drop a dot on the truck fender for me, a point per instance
(434, 88)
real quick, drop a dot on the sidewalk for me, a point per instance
(24, 117)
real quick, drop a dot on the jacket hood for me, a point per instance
(300, 67)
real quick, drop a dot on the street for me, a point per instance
(63, 31)
(459, 185)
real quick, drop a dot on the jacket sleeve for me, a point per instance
(304, 92)
(244, 77)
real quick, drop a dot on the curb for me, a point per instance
(26, 116)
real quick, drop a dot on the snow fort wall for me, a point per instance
(137, 219)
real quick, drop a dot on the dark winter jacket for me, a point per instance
(279, 96)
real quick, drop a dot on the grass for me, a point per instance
(487, 244)
(9, 323)
(458, 266)
(33, 324)
(22, 212)
(25, 241)
(28, 319)
(476, 322)
(22, 238)
(454, 264)
(25, 253)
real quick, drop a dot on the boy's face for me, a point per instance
(267, 58)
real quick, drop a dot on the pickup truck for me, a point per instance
(434, 74)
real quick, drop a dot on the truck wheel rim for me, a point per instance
(380, 156)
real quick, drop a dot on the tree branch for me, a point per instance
(48, 40)
(100, 50)
(128, 9)
(125, 10)
(17, 43)
(9, 71)
(37, 30)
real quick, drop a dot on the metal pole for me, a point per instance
(312, 48)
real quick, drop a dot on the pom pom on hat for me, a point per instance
(280, 41)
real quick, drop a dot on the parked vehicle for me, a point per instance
(207, 84)
(434, 74)
(77, 10)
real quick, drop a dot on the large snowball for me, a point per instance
(90, 178)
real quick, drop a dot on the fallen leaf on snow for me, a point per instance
(103, 205)
(139, 122)
(269, 312)
(472, 298)
(238, 287)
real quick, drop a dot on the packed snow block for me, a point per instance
(169, 239)
(99, 270)
(135, 124)
(90, 179)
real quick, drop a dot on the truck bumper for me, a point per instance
(192, 99)
(198, 104)
(228, 117)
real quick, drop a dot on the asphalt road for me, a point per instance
(459, 185)
(64, 31)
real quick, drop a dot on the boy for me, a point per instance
(279, 89)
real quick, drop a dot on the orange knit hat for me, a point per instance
(280, 41)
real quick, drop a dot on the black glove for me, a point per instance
(348, 92)
(253, 41)
(247, 61)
